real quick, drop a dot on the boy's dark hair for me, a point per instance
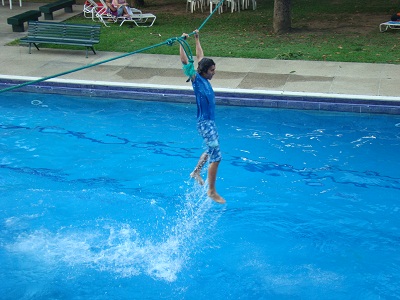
(204, 64)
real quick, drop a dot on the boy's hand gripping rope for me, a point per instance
(168, 42)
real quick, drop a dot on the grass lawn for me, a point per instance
(336, 30)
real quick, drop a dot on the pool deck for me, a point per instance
(281, 78)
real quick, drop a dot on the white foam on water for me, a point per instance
(36, 102)
(116, 247)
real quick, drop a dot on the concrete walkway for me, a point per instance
(276, 77)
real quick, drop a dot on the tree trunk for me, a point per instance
(282, 16)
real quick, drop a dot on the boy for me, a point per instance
(205, 99)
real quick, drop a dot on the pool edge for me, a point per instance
(233, 97)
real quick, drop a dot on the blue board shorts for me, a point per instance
(208, 130)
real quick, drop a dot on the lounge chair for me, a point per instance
(389, 25)
(89, 8)
(140, 19)
(135, 15)
(100, 11)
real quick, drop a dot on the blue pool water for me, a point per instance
(96, 203)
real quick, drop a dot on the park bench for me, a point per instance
(49, 8)
(62, 33)
(18, 21)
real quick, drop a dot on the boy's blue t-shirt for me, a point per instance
(205, 98)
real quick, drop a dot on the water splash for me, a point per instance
(119, 248)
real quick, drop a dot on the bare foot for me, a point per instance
(216, 197)
(197, 176)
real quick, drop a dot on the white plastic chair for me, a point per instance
(234, 4)
(246, 4)
(192, 4)
(220, 10)
(20, 3)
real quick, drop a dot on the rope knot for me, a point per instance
(170, 42)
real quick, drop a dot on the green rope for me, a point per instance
(168, 42)
(206, 20)
(186, 48)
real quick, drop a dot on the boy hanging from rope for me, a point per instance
(205, 100)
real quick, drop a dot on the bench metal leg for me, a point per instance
(87, 49)
(30, 46)
(48, 16)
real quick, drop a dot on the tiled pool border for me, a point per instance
(234, 97)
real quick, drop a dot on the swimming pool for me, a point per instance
(97, 203)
